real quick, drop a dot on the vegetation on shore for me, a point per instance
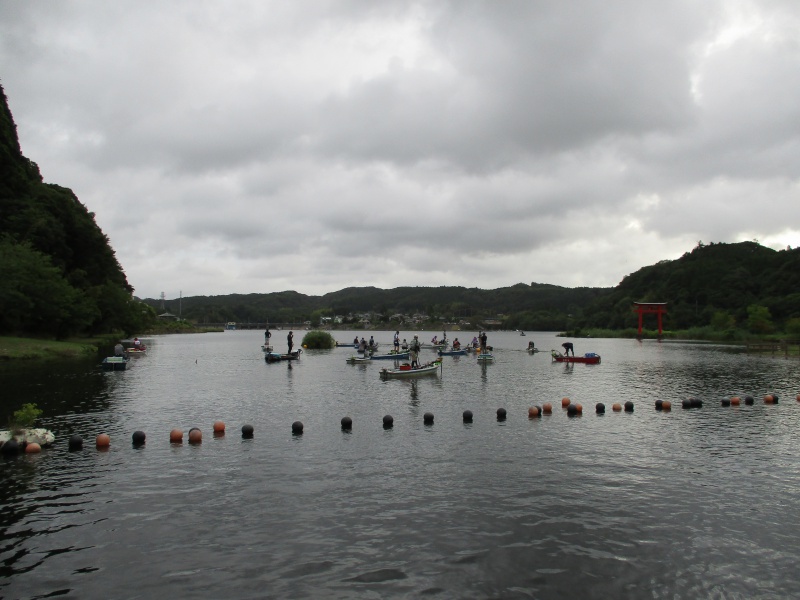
(29, 348)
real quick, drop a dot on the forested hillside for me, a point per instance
(59, 274)
(720, 285)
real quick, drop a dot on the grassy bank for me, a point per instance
(12, 348)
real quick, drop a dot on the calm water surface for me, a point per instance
(698, 503)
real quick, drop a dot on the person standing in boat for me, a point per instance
(483, 338)
(397, 341)
(362, 345)
(568, 348)
(371, 342)
(290, 341)
(267, 335)
(413, 352)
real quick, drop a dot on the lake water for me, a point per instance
(699, 503)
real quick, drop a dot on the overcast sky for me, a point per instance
(258, 146)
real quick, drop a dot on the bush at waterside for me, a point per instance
(317, 340)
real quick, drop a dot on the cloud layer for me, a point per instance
(263, 146)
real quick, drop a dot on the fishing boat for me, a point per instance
(590, 358)
(272, 357)
(356, 360)
(136, 351)
(437, 346)
(485, 357)
(521, 332)
(115, 363)
(391, 356)
(459, 352)
(406, 372)
(266, 348)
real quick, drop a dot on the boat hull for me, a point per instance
(588, 360)
(409, 373)
(452, 352)
(114, 363)
(398, 356)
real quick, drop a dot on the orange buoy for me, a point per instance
(219, 427)
(579, 408)
(616, 407)
(798, 397)
(666, 405)
(565, 402)
(547, 408)
(195, 436)
(103, 441)
(533, 411)
(176, 436)
(769, 399)
(33, 448)
(736, 401)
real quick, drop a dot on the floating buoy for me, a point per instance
(103, 441)
(427, 418)
(297, 427)
(176, 436)
(629, 406)
(195, 436)
(10, 447)
(347, 423)
(501, 414)
(579, 408)
(388, 421)
(666, 405)
(247, 431)
(467, 416)
(547, 408)
(75, 443)
(659, 404)
(686, 403)
(219, 427)
(616, 407)
(725, 402)
(749, 400)
(32, 448)
(565, 402)
(600, 408)
(138, 438)
(572, 410)
(534, 412)
(735, 400)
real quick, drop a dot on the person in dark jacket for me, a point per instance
(568, 348)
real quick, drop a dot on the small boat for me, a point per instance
(230, 326)
(266, 348)
(459, 352)
(271, 357)
(440, 346)
(115, 363)
(485, 357)
(533, 350)
(136, 351)
(590, 358)
(406, 372)
(391, 356)
(357, 360)
(522, 332)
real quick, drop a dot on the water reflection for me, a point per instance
(690, 503)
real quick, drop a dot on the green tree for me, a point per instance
(759, 319)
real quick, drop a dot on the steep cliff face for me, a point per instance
(45, 227)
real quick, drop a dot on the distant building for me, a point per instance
(168, 316)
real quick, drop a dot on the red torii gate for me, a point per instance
(659, 308)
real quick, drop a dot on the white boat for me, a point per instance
(355, 360)
(485, 357)
(406, 372)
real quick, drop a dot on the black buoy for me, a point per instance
(659, 404)
(467, 416)
(138, 438)
(686, 403)
(725, 402)
(75, 443)
(10, 448)
(697, 403)
(572, 410)
(427, 418)
(600, 408)
(297, 427)
(347, 423)
(501, 414)
(247, 431)
(388, 421)
(629, 406)
(749, 400)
